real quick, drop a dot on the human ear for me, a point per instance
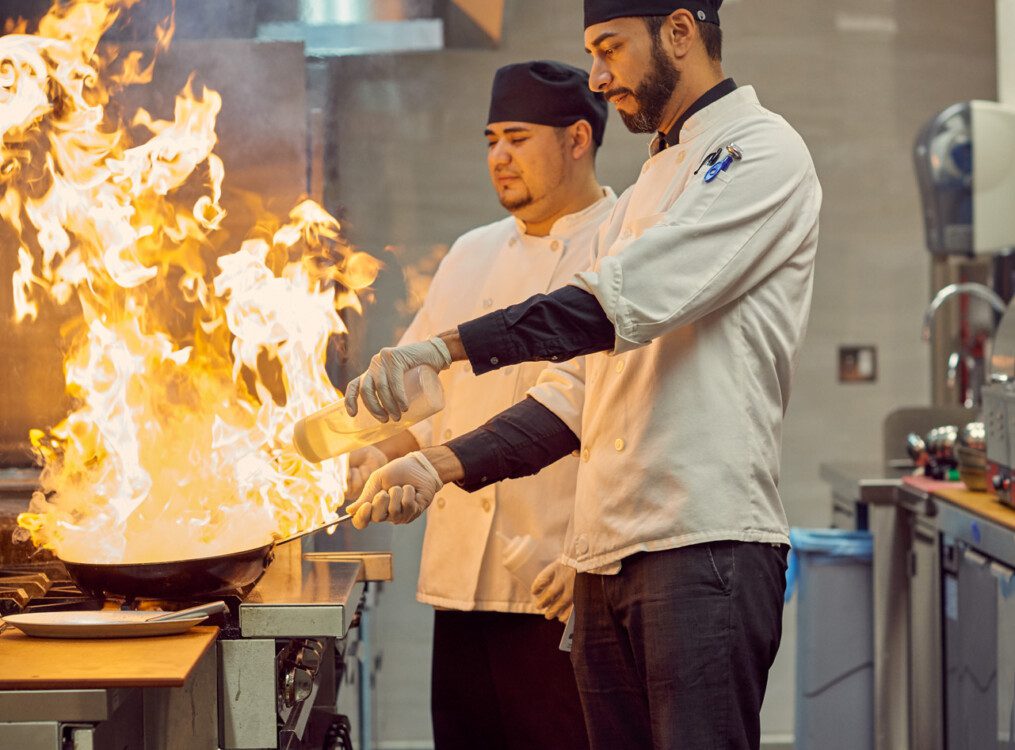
(580, 139)
(679, 32)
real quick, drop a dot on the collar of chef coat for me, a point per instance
(564, 227)
(672, 137)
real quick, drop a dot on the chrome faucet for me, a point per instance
(985, 293)
(974, 366)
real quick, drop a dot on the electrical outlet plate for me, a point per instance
(858, 364)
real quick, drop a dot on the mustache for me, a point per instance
(618, 92)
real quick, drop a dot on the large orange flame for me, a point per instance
(177, 445)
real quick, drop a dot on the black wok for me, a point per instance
(197, 578)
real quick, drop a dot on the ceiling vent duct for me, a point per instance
(330, 28)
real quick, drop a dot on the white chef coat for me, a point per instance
(486, 269)
(709, 288)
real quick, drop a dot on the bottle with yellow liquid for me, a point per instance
(332, 432)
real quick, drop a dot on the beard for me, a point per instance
(513, 204)
(653, 93)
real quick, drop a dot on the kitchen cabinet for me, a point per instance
(979, 627)
(925, 648)
(970, 630)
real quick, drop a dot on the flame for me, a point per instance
(178, 442)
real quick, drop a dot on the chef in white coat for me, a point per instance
(499, 679)
(693, 316)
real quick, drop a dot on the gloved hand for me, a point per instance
(398, 492)
(362, 463)
(383, 384)
(553, 591)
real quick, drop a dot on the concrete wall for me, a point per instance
(1006, 52)
(856, 77)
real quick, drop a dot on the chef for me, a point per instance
(499, 678)
(693, 316)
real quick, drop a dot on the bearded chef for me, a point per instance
(693, 316)
(498, 676)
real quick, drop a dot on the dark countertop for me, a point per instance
(867, 482)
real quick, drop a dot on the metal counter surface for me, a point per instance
(19, 482)
(306, 599)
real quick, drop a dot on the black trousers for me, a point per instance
(673, 652)
(500, 682)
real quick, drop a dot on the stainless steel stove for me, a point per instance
(271, 682)
(279, 675)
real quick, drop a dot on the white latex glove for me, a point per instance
(382, 386)
(362, 463)
(553, 591)
(398, 492)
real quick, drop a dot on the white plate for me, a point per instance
(105, 623)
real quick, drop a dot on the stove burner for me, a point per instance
(42, 587)
(46, 587)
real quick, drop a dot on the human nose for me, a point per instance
(499, 154)
(599, 76)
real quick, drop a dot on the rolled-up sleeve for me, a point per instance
(717, 242)
(518, 442)
(554, 327)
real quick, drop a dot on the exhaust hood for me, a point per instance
(330, 28)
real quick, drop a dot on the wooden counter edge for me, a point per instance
(86, 683)
(982, 504)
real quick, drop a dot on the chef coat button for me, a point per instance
(486, 504)
(555, 245)
(488, 302)
(680, 157)
(513, 241)
(619, 444)
(620, 366)
(440, 502)
(581, 545)
(447, 434)
(575, 454)
(494, 361)
(586, 454)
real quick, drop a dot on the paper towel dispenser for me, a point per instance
(965, 164)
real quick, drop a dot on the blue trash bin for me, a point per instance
(830, 570)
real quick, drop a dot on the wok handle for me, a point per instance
(208, 609)
(302, 534)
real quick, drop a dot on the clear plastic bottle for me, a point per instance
(332, 432)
